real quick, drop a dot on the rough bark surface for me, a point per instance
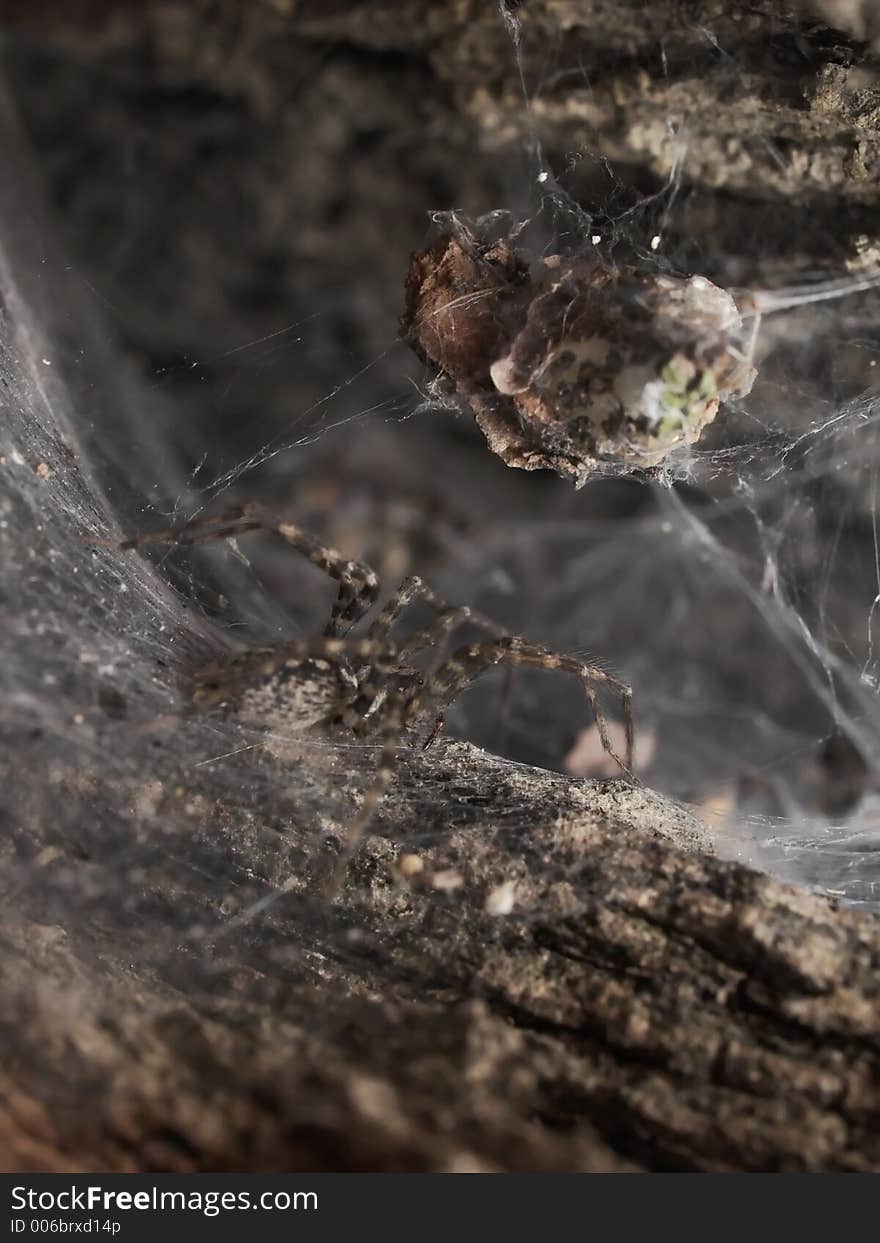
(573, 981)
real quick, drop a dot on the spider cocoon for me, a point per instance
(572, 364)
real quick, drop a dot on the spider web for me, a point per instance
(739, 595)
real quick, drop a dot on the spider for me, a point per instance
(363, 683)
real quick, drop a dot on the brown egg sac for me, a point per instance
(570, 364)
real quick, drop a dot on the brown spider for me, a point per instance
(363, 684)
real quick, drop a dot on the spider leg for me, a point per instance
(432, 635)
(466, 664)
(411, 589)
(435, 633)
(358, 583)
(415, 588)
(435, 731)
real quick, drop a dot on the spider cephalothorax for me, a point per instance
(364, 683)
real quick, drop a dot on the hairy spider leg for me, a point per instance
(358, 583)
(434, 635)
(467, 663)
(411, 590)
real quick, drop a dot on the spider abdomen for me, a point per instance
(260, 688)
(295, 703)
